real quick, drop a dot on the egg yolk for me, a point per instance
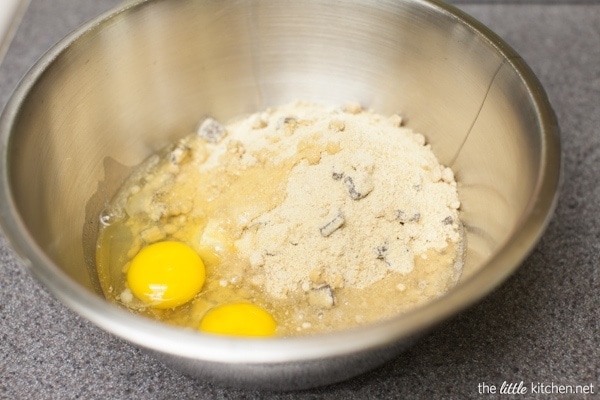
(239, 319)
(166, 274)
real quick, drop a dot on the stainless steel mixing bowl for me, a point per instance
(131, 81)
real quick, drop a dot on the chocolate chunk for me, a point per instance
(212, 131)
(358, 189)
(403, 218)
(337, 173)
(321, 297)
(178, 153)
(382, 251)
(332, 225)
(284, 122)
(448, 220)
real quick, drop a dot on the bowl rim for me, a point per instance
(190, 344)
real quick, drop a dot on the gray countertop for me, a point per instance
(540, 326)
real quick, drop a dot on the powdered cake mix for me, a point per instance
(296, 220)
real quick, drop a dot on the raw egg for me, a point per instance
(166, 274)
(239, 319)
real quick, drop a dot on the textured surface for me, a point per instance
(542, 325)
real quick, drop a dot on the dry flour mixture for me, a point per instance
(322, 218)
